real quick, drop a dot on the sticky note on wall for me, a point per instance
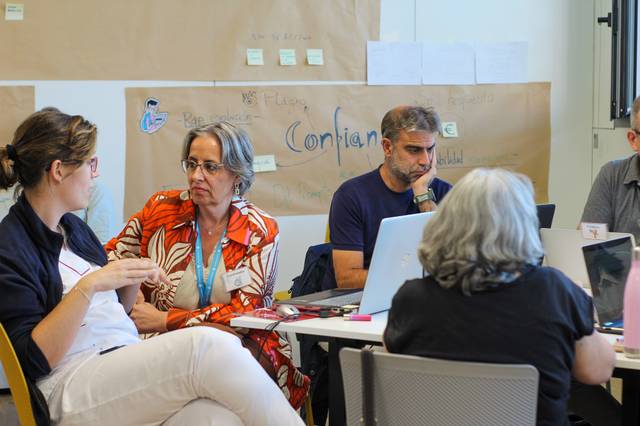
(255, 57)
(264, 163)
(14, 12)
(449, 129)
(287, 57)
(315, 57)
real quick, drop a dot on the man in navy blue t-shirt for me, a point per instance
(405, 183)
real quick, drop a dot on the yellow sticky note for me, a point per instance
(287, 57)
(315, 57)
(255, 57)
(14, 12)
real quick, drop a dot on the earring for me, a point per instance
(236, 189)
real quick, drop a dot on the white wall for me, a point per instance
(560, 36)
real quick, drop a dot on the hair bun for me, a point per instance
(12, 154)
(8, 177)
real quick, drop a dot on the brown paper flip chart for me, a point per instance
(323, 135)
(18, 102)
(200, 40)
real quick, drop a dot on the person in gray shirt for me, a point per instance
(615, 195)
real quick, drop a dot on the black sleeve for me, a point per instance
(21, 309)
(582, 312)
(579, 307)
(404, 317)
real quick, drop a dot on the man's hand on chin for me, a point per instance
(421, 185)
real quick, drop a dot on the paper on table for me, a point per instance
(391, 63)
(448, 63)
(501, 62)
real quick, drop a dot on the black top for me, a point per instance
(30, 281)
(534, 320)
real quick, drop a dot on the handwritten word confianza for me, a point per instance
(338, 138)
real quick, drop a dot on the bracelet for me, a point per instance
(86, 296)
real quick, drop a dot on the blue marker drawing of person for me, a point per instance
(152, 120)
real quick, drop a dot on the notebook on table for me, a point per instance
(394, 260)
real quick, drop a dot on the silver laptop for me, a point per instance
(563, 251)
(394, 260)
(608, 264)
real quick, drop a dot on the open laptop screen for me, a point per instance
(545, 215)
(608, 265)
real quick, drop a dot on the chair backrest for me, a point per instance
(409, 390)
(17, 382)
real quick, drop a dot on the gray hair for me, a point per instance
(484, 232)
(635, 109)
(237, 151)
(409, 119)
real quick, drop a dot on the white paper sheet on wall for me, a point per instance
(448, 63)
(501, 62)
(394, 63)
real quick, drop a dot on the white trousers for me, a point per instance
(194, 376)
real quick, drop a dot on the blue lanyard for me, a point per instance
(205, 291)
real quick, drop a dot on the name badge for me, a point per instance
(594, 231)
(236, 279)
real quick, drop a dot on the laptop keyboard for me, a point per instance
(345, 299)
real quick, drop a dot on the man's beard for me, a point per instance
(404, 176)
(400, 174)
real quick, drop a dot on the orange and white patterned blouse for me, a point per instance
(164, 231)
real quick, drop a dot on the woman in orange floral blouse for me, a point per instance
(219, 251)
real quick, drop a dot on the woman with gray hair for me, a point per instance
(487, 300)
(218, 249)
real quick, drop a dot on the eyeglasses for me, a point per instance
(208, 167)
(93, 164)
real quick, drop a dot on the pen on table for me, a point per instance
(356, 317)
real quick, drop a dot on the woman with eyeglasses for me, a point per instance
(218, 250)
(65, 308)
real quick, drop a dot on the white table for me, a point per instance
(337, 328)
(328, 327)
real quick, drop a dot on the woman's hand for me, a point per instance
(148, 319)
(122, 273)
